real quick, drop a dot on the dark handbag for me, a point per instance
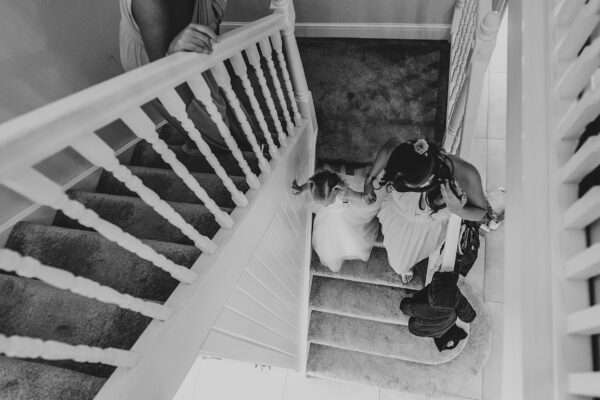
(468, 247)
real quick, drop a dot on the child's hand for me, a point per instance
(369, 195)
(296, 189)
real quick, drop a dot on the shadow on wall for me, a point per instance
(340, 11)
(53, 48)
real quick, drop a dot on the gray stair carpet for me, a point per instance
(96, 256)
(359, 300)
(367, 336)
(27, 380)
(139, 219)
(377, 354)
(29, 307)
(376, 270)
(369, 90)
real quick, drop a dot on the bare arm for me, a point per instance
(152, 17)
(475, 205)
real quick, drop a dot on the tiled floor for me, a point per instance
(213, 379)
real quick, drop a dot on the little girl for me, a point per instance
(344, 227)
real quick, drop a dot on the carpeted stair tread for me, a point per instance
(459, 377)
(29, 307)
(171, 187)
(27, 380)
(389, 340)
(144, 155)
(390, 373)
(359, 300)
(90, 255)
(376, 271)
(139, 219)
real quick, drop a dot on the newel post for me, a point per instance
(303, 95)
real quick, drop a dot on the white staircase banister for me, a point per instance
(36, 135)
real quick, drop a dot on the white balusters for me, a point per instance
(100, 154)
(584, 384)
(462, 43)
(144, 128)
(278, 46)
(584, 161)
(239, 67)
(584, 211)
(28, 267)
(581, 112)
(303, 96)
(580, 30)
(567, 10)
(584, 265)
(202, 93)
(224, 81)
(176, 107)
(267, 51)
(254, 59)
(578, 74)
(24, 347)
(42, 190)
(585, 322)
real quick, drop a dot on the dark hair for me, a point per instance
(407, 168)
(322, 184)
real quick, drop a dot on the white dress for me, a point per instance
(345, 230)
(410, 233)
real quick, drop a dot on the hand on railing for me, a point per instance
(196, 38)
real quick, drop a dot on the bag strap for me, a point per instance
(452, 240)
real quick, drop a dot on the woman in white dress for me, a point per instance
(420, 187)
(345, 227)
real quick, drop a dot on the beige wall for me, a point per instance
(49, 49)
(398, 11)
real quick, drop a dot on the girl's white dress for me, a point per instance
(345, 230)
(410, 233)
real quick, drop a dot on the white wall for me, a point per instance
(53, 48)
(50, 49)
(378, 11)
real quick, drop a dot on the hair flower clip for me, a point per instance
(421, 146)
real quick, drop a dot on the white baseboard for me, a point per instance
(364, 30)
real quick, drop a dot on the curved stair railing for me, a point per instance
(224, 296)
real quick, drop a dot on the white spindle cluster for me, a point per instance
(35, 186)
(473, 38)
(224, 81)
(73, 121)
(255, 60)
(575, 102)
(100, 154)
(464, 26)
(143, 127)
